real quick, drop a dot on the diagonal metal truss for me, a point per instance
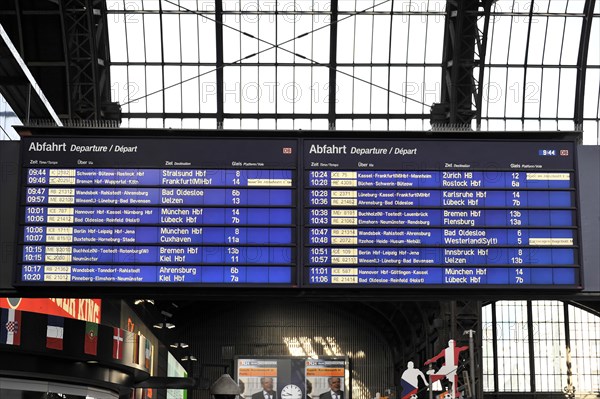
(87, 59)
(465, 43)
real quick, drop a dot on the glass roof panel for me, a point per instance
(560, 6)
(320, 42)
(249, 89)
(414, 6)
(554, 39)
(208, 89)
(570, 47)
(529, 93)
(537, 41)
(594, 55)
(151, 4)
(492, 95)
(362, 91)
(517, 6)
(398, 84)
(152, 41)
(320, 90)
(345, 91)
(518, 40)
(171, 38)
(416, 39)
(345, 43)
(208, 123)
(234, 51)
(114, 4)
(137, 88)
(285, 124)
(155, 123)
(285, 34)
(173, 5)
(190, 89)
(435, 39)
(304, 45)
(190, 41)
(592, 90)
(363, 42)
(207, 41)
(267, 31)
(154, 81)
(172, 95)
(116, 38)
(118, 76)
(302, 93)
(285, 90)
(135, 34)
(389, 61)
(267, 81)
(548, 93)
(399, 39)
(190, 123)
(498, 43)
(566, 95)
(379, 97)
(430, 87)
(231, 89)
(414, 77)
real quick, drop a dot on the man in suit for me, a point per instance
(267, 391)
(334, 391)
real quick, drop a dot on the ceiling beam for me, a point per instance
(584, 45)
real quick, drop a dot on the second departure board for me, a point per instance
(289, 212)
(440, 213)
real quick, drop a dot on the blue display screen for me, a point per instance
(158, 196)
(439, 214)
(299, 212)
(153, 177)
(160, 215)
(191, 212)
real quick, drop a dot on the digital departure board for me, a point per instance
(289, 212)
(440, 213)
(158, 211)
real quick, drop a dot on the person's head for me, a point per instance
(334, 383)
(451, 342)
(410, 365)
(267, 383)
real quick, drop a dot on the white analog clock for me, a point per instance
(291, 391)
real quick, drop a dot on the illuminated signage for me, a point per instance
(299, 212)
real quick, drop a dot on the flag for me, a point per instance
(129, 346)
(136, 348)
(117, 343)
(148, 353)
(10, 327)
(54, 332)
(90, 346)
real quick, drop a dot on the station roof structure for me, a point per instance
(370, 65)
(317, 64)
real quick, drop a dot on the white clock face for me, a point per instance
(291, 391)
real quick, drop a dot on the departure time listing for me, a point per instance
(299, 212)
(451, 213)
(149, 211)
